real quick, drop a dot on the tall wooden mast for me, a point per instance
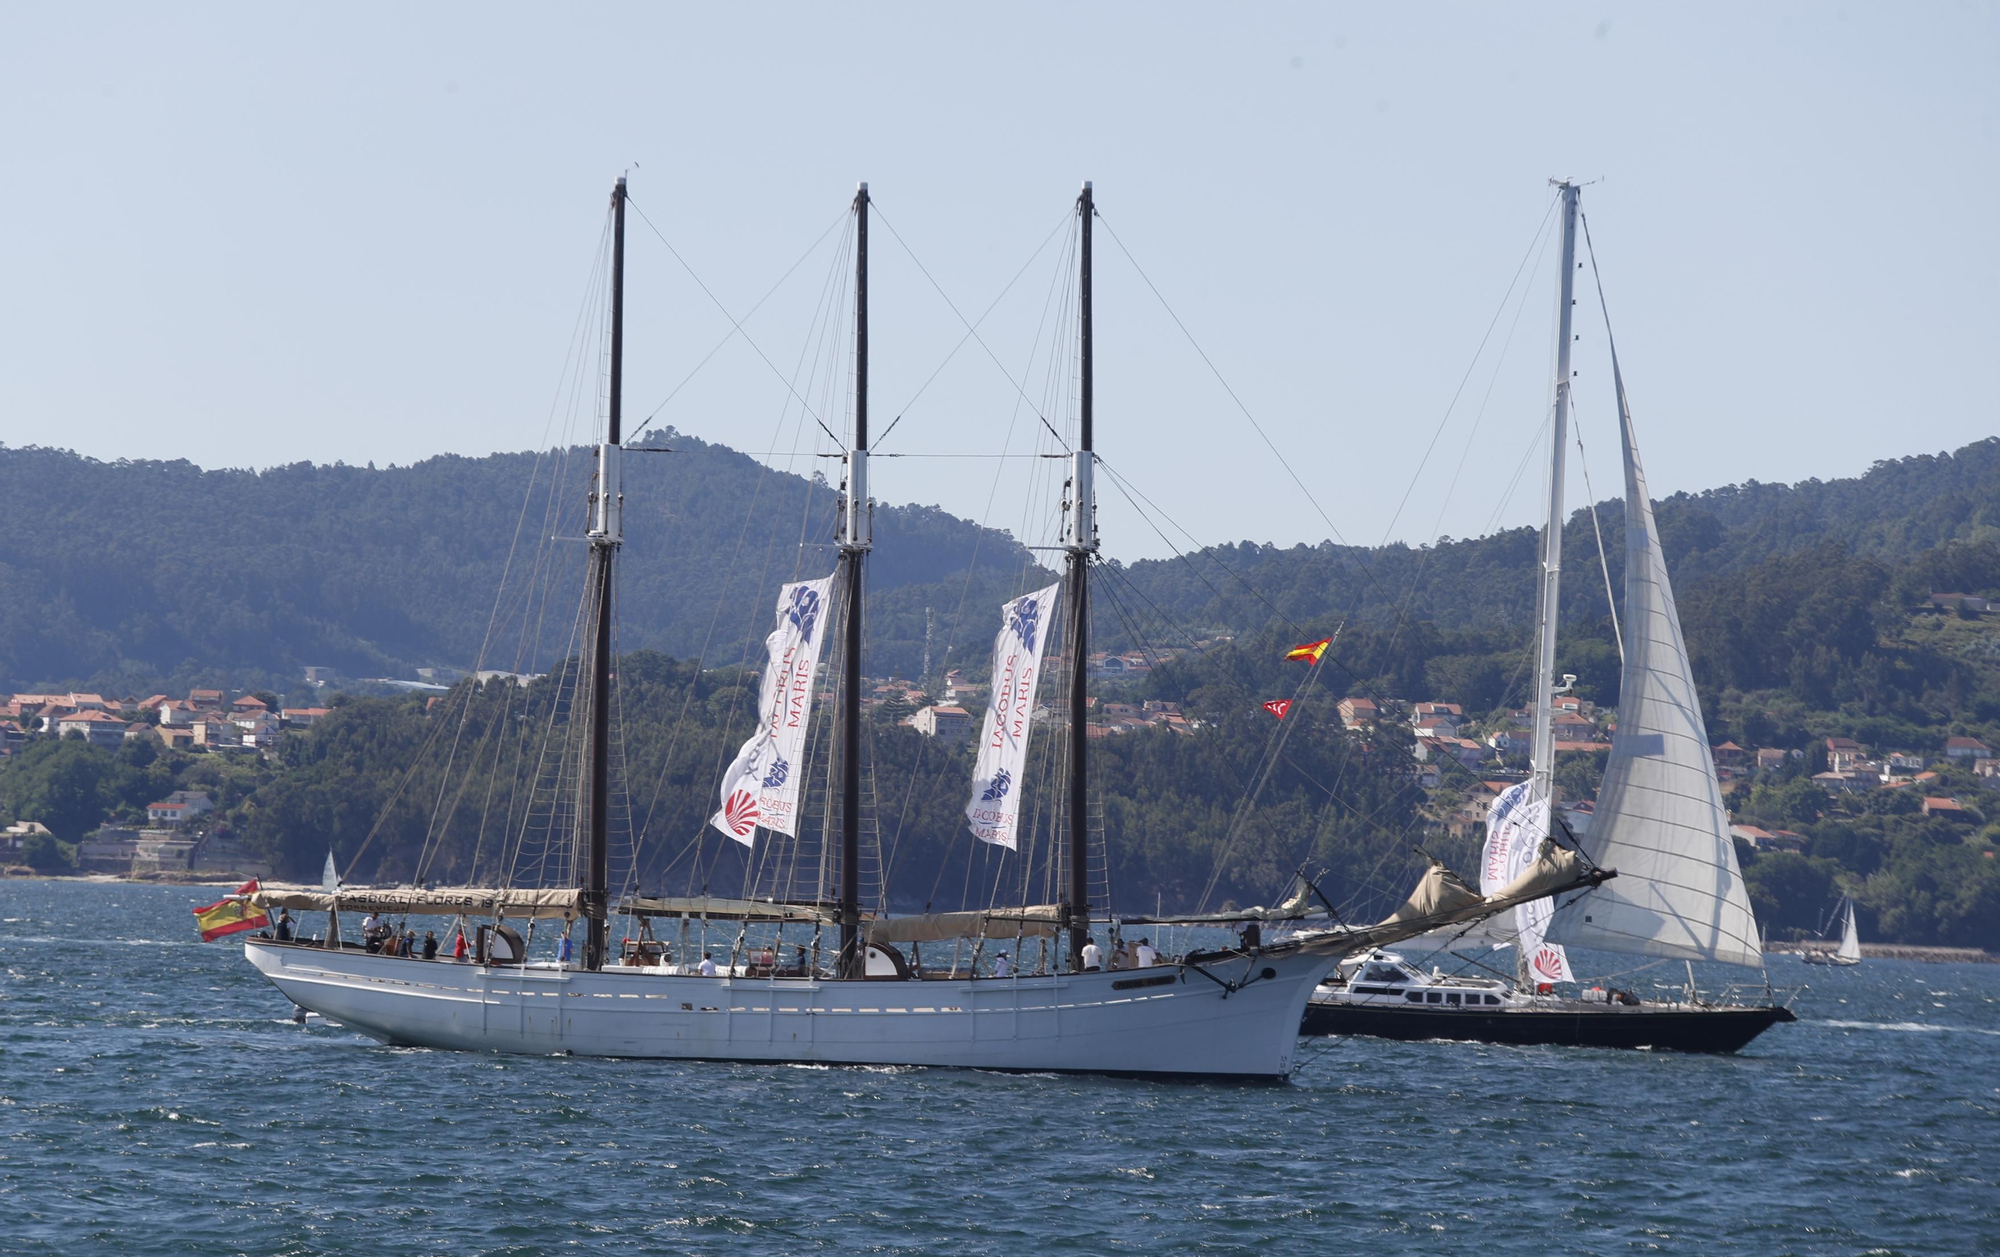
(606, 532)
(856, 536)
(1082, 544)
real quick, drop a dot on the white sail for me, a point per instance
(1850, 940)
(1515, 827)
(994, 810)
(1659, 819)
(329, 878)
(761, 786)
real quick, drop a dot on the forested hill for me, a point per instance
(129, 576)
(132, 575)
(1897, 509)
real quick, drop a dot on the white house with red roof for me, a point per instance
(93, 726)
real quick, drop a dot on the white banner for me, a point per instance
(1025, 626)
(1515, 827)
(761, 787)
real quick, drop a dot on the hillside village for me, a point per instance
(219, 752)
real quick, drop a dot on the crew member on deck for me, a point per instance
(284, 925)
(1093, 955)
(707, 964)
(1003, 967)
(1144, 957)
(430, 945)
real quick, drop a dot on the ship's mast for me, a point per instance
(1544, 756)
(1082, 544)
(856, 536)
(606, 532)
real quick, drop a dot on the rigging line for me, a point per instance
(747, 315)
(732, 318)
(1274, 748)
(1124, 487)
(1539, 238)
(1603, 560)
(1513, 326)
(1270, 444)
(970, 329)
(1624, 419)
(829, 291)
(1359, 681)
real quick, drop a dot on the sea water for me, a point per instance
(156, 1097)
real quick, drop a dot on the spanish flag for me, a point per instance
(1311, 651)
(231, 914)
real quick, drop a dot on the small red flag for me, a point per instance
(1278, 707)
(1311, 651)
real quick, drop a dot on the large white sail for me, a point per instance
(1659, 819)
(995, 808)
(761, 786)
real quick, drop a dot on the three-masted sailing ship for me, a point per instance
(1659, 819)
(1226, 1012)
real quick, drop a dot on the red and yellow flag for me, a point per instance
(231, 915)
(1278, 707)
(1311, 651)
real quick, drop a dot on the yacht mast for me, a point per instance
(606, 532)
(1082, 544)
(1544, 756)
(856, 537)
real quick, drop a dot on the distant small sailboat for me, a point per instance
(1849, 951)
(329, 879)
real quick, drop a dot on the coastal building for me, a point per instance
(93, 726)
(1966, 748)
(944, 721)
(1357, 713)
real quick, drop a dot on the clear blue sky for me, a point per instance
(248, 235)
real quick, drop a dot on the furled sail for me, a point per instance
(1516, 827)
(1659, 819)
(1033, 921)
(761, 786)
(444, 901)
(994, 810)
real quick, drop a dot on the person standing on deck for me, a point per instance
(1093, 955)
(1145, 957)
(1002, 966)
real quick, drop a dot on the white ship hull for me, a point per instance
(1119, 1022)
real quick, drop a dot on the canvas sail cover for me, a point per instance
(761, 786)
(443, 901)
(1516, 827)
(1033, 921)
(994, 810)
(1659, 820)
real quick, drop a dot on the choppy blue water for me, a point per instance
(154, 1098)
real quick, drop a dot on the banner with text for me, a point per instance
(1515, 827)
(761, 787)
(995, 809)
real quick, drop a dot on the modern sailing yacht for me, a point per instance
(1222, 1013)
(1848, 953)
(1659, 819)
